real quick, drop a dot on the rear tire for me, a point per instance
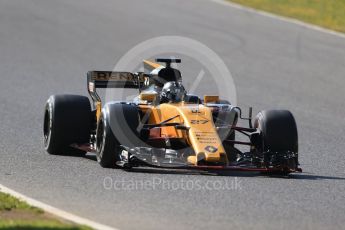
(117, 126)
(67, 120)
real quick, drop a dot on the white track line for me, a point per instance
(281, 18)
(55, 211)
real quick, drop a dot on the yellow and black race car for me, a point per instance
(165, 127)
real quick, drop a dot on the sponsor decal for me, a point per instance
(211, 149)
(113, 76)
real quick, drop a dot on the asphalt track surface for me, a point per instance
(47, 46)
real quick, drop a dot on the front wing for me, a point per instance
(133, 158)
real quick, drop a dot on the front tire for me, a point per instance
(67, 120)
(278, 135)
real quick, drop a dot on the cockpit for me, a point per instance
(165, 84)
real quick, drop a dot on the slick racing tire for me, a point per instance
(67, 121)
(278, 130)
(117, 126)
(278, 133)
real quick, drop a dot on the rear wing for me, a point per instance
(109, 79)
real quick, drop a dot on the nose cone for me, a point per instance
(203, 136)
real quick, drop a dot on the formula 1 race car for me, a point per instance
(165, 127)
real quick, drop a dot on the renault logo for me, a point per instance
(211, 149)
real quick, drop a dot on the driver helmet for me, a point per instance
(172, 91)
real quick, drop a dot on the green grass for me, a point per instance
(8, 203)
(18, 215)
(38, 225)
(326, 13)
